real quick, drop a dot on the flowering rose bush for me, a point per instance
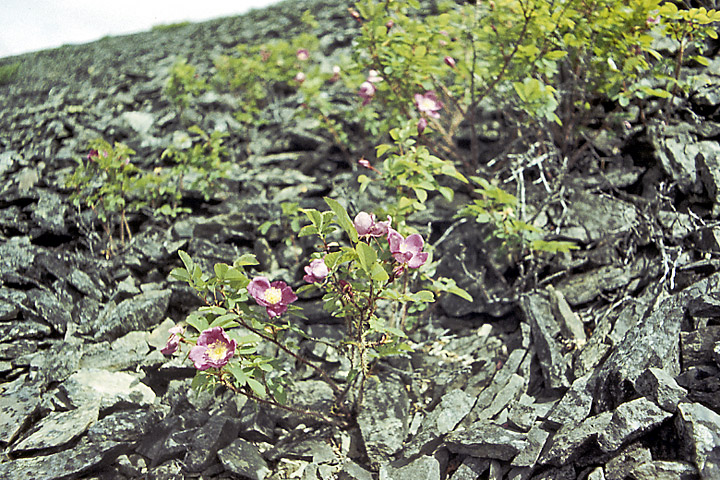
(275, 296)
(213, 349)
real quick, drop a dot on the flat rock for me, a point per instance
(629, 421)
(573, 441)
(19, 403)
(243, 459)
(661, 387)
(59, 428)
(108, 389)
(700, 432)
(665, 470)
(486, 440)
(547, 337)
(424, 468)
(138, 313)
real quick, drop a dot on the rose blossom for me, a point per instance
(316, 271)
(174, 341)
(366, 92)
(366, 225)
(275, 296)
(214, 349)
(428, 104)
(407, 251)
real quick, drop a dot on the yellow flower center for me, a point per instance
(273, 295)
(216, 351)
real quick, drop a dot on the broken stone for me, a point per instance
(573, 441)
(661, 387)
(108, 389)
(629, 421)
(486, 440)
(536, 438)
(546, 335)
(59, 428)
(217, 433)
(353, 471)
(699, 429)
(19, 403)
(696, 347)
(575, 405)
(242, 458)
(425, 468)
(620, 466)
(499, 381)
(383, 419)
(471, 468)
(137, 313)
(664, 470)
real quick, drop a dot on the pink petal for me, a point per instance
(418, 260)
(414, 243)
(394, 240)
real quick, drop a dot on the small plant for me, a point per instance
(183, 84)
(8, 73)
(373, 268)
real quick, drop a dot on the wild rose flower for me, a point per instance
(214, 349)
(407, 251)
(275, 296)
(316, 271)
(428, 104)
(374, 76)
(336, 74)
(300, 77)
(365, 163)
(366, 225)
(174, 341)
(367, 91)
(422, 125)
(303, 54)
(449, 61)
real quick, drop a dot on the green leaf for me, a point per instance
(343, 218)
(314, 216)
(187, 261)
(332, 259)
(181, 274)
(199, 323)
(256, 387)
(246, 259)
(380, 150)
(378, 273)
(226, 321)
(220, 270)
(367, 257)
(308, 230)
(424, 296)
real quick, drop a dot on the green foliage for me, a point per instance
(169, 27)
(499, 208)
(8, 73)
(183, 84)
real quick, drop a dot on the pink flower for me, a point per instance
(275, 296)
(366, 225)
(449, 61)
(300, 77)
(407, 251)
(174, 341)
(367, 91)
(214, 349)
(316, 271)
(374, 76)
(365, 163)
(428, 104)
(422, 125)
(302, 54)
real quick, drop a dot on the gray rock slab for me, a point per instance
(242, 458)
(573, 441)
(665, 470)
(19, 403)
(486, 440)
(106, 388)
(536, 440)
(509, 393)
(47, 307)
(620, 466)
(217, 433)
(498, 382)
(596, 216)
(383, 419)
(126, 425)
(470, 469)
(699, 429)
(424, 468)
(575, 405)
(65, 464)
(653, 343)
(133, 314)
(629, 421)
(708, 164)
(58, 428)
(565, 473)
(676, 151)
(24, 330)
(658, 385)
(352, 471)
(696, 347)
(546, 335)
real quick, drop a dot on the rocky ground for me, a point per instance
(599, 364)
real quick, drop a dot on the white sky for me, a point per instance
(30, 25)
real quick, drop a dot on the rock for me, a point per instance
(575, 405)
(699, 429)
(137, 313)
(708, 165)
(424, 468)
(536, 439)
(676, 150)
(573, 441)
(629, 421)
(383, 420)
(594, 217)
(353, 471)
(486, 440)
(108, 389)
(19, 404)
(126, 425)
(664, 470)
(58, 428)
(696, 347)
(620, 466)
(217, 433)
(242, 458)
(661, 387)
(546, 335)
(471, 468)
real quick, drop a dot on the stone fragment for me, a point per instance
(424, 468)
(620, 466)
(27, 329)
(58, 428)
(570, 324)
(108, 389)
(661, 387)
(536, 438)
(597, 474)
(19, 403)
(243, 459)
(49, 212)
(594, 217)
(255, 424)
(486, 440)
(121, 354)
(383, 419)
(573, 441)
(699, 429)
(565, 473)
(352, 471)
(70, 463)
(675, 149)
(575, 405)
(629, 421)
(93, 287)
(707, 159)
(125, 425)
(653, 343)
(696, 347)
(512, 389)
(137, 313)
(45, 306)
(471, 468)
(664, 470)
(546, 335)
(217, 433)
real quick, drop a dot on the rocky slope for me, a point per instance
(602, 364)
